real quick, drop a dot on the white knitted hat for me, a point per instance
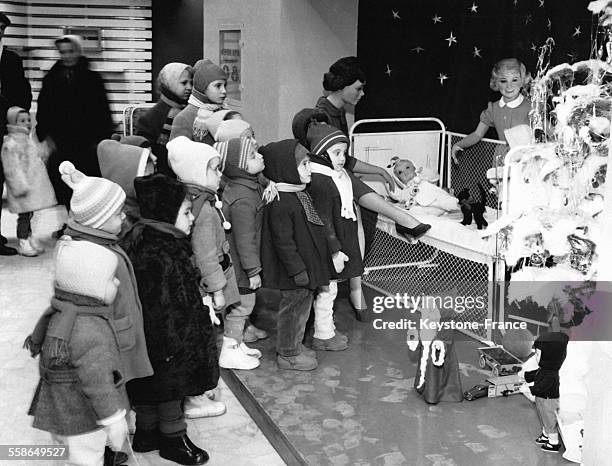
(212, 123)
(94, 200)
(189, 159)
(232, 129)
(85, 269)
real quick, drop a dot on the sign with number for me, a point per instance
(230, 59)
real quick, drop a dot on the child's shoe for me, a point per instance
(335, 343)
(542, 439)
(341, 335)
(412, 233)
(234, 357)
(202, 406)
(253, 352)
(301, 362)
(308, 352)
(554, 448)
(181, 450)
(252, 334)
(146, 440)
(26, 249)
(36, 245)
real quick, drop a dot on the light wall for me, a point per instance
(288, 45)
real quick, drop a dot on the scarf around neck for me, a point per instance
(272, 192)
(343, 184)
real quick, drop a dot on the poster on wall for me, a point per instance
(230, 60)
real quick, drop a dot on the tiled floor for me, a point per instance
(25, 288)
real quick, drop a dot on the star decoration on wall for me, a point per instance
(548, 23)
(571, 56)
(442, 77)
(476, 52)
(451, 39)
(577, 32)
(527, 19)
(541, 5)
(418, 49)
(436, 19)
(474, 8)
(388, 72)
(396, 14)
(534, 47)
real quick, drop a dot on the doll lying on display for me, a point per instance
(437, 378)
(418, 189)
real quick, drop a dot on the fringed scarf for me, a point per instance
(273, 190)
(69, 306)
(205, 110)
(344, 185)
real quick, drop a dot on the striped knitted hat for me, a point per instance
(235, 153)
(321, 137)
(94, 200)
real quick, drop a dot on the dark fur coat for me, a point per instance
(181, 340)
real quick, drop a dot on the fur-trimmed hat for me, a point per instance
(234, 154)
(159, 197)
(85, 269)
(321, 137)
(94, 200)
(189, 159)
(205, 72)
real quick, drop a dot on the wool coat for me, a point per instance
(127, 310)
(243, 208)
(181, 340)
(290, 244)
(71, 398)
(27, 182)
(342, 233)
(211, 248)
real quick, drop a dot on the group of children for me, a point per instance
(131, 324)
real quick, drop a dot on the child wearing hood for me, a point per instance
(294, 252)
(207, 97)
(81, 397)
(551, 350)
(199, 167)
(179, 332)
(96, 215)
(121, 162)
(175, 83)
(27, 181)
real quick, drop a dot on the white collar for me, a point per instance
(513, 104)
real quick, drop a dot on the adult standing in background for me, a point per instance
(14, 91)
(73, 114)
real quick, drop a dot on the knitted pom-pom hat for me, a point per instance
(189, 159)
(159, 197)
(205, 73)
(85, 269)
(234, 154)
(94, 200)
(321, 137)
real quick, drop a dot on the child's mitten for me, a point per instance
(339, 259)
(301, 279)
(218, 300)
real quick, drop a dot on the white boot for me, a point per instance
(36, 244)
(253, 352)
(26, 249)
(233, 357)
(202, 406)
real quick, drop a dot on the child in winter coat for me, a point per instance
(332, 191)
(294, 253)
(121, 162)
(243, 208)
(27, 182)
(199, 167)
(180, 335)
(207, 97)
(96, 215)
(81, 397)
(551, 349)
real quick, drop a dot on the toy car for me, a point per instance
(499, 360)
(478, 391)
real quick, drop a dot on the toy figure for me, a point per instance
(473, 209)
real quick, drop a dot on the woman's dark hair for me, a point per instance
(343, 73)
